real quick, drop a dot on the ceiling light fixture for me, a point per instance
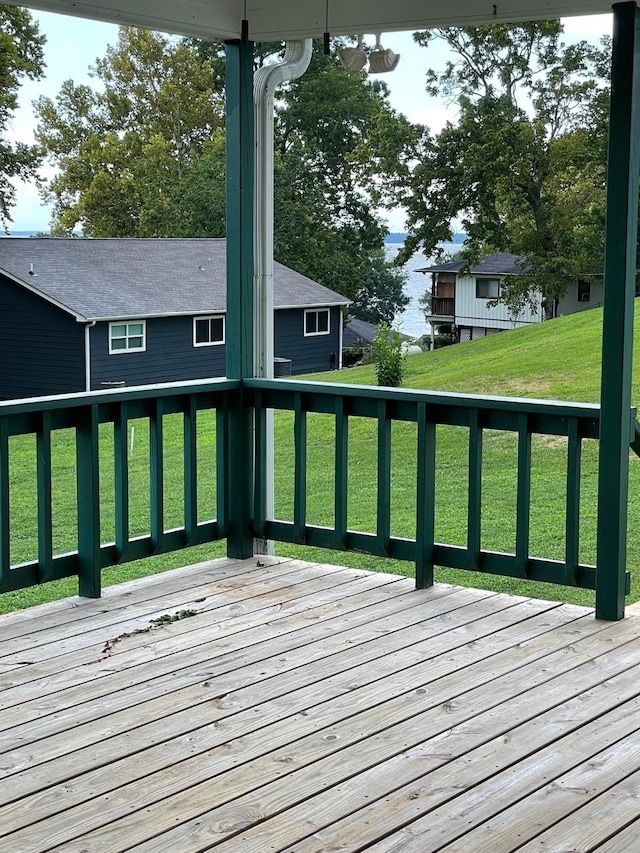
(353, 58)
(381, 60)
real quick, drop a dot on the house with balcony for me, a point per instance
(467, 297)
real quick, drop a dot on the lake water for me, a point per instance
(411, 321)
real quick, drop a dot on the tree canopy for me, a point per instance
(523, 167)
(21, 56)
(143, 155)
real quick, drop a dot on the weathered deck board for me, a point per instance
(307, 708)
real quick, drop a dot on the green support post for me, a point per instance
(239, 333)
(617, 333)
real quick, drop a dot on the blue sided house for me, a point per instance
(81, 314)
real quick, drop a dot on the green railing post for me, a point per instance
(5, 529)
(341, 467)
(572, 538)
(474, 501)
(426, 499)
(121, 478)
(239, 335)
(87, 461)
(189, 427)
(156, 475)
(45, 509)
(383, 512)
(523, 506)
(617, 333)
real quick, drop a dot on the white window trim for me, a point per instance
(128, 350)
(316, 311)
(211, 317)
(480, 278)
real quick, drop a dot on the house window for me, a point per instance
(208, 331)
(127, 337)
(487, 288)
(316, 321)
(584, 291)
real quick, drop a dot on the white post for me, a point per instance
(296, 61)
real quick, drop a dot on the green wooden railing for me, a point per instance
(84, 414)
(525, 418)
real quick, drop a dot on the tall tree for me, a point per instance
(523, 165)
(123, 151)
(340, 152)
(145, 157)
(21, 56)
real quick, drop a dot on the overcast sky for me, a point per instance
(73, 44)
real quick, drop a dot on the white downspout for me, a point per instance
(266, 80)
(87, 355)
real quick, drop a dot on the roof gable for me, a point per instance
(100, 279)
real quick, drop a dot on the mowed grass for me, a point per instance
(556, 360)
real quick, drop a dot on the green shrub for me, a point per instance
(387, 348)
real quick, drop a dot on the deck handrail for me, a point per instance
(87, 413)
(576, 421)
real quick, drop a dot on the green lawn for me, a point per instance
(555, 360)
(558, 360)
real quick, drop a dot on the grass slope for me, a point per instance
(557, 360)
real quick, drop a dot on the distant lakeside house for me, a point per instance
(83, 314)
(461, 296)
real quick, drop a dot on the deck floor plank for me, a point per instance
(233, 661)
(374, 783)
(106, 675)
(595, 813)
(321, 702)
(309, 709)
(267, 599)
(353, 729)
(55, 640)
(290, 669)
(597, 793)
(55, 614)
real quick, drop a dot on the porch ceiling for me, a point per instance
(289, 19)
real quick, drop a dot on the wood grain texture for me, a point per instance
(308, 709)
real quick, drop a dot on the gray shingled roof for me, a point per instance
(503, 263)
(100, 279)
(358, 331)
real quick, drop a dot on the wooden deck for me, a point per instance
(298, 707)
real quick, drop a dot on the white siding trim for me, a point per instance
(316, 311)
(210, 343)
(128, 350)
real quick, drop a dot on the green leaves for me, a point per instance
(522, 169)
(387, 351)
(145, 156)
(125, 154)
(21, 55)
